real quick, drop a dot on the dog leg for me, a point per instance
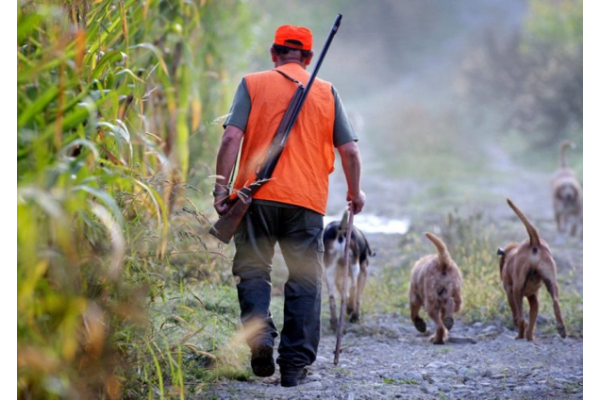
(512, 304)
(329, 274)
(415, 306)
(533, 313)
(351, 309)
(560, 227)
(447, 313)
(362, 280)
(519, 320)
(441, 333)
(553, 290)
(557, 218)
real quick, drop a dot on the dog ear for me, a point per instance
(345, 218)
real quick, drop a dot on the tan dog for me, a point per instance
(435, 283)
(524, 267)
(567, 197)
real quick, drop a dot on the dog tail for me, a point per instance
(563, 152)
(370, 252)
(534, 237)
(443, 254)
(502, 255)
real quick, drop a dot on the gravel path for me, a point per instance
(385, 357)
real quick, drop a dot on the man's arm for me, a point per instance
(230, 146)
(351, 164)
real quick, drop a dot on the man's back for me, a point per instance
(301, 175)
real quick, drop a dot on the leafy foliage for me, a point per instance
(115, 101)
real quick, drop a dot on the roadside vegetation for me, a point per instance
(115, 108)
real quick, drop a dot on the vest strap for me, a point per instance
(289, 77)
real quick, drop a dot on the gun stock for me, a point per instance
(225, 227)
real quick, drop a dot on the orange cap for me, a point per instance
(285, 33)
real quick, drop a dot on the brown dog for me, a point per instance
(524, 267)
(435, 283)
(567, 197)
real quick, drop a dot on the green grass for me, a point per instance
(392, 381)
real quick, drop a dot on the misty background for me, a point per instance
(450, 99)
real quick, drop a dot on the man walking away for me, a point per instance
(289, 208)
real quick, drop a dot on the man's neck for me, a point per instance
(279, 63)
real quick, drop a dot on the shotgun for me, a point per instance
(228, 223)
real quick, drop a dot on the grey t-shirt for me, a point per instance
(240, 110)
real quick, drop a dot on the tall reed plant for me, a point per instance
(115, 100)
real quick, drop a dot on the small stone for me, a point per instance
(445, 388)
(526, 388)
(458, 386)
(429, 389)
(489, 330)
(437, 364)
(427, 377)
(311, 385)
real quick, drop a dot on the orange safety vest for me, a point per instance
(301, 176)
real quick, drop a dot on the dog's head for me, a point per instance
(567, 192)
(334, 237)
(342, 228)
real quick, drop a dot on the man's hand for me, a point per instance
(230, 146)
(356, 203)
(221, 203)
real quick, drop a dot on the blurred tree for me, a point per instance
(535, 78)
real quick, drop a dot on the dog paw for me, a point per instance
(562, 331)
(420, 325)
(435, 339)
(448, 322)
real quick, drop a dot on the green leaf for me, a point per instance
(105, 61)
(156, 52)
(26, 25)
(106, 199)
(37, 106)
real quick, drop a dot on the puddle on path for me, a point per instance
(369, 223)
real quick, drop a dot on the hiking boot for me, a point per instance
(262, 360)
(291, 377)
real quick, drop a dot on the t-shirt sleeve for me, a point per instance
(240, 107)
(343, 132)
